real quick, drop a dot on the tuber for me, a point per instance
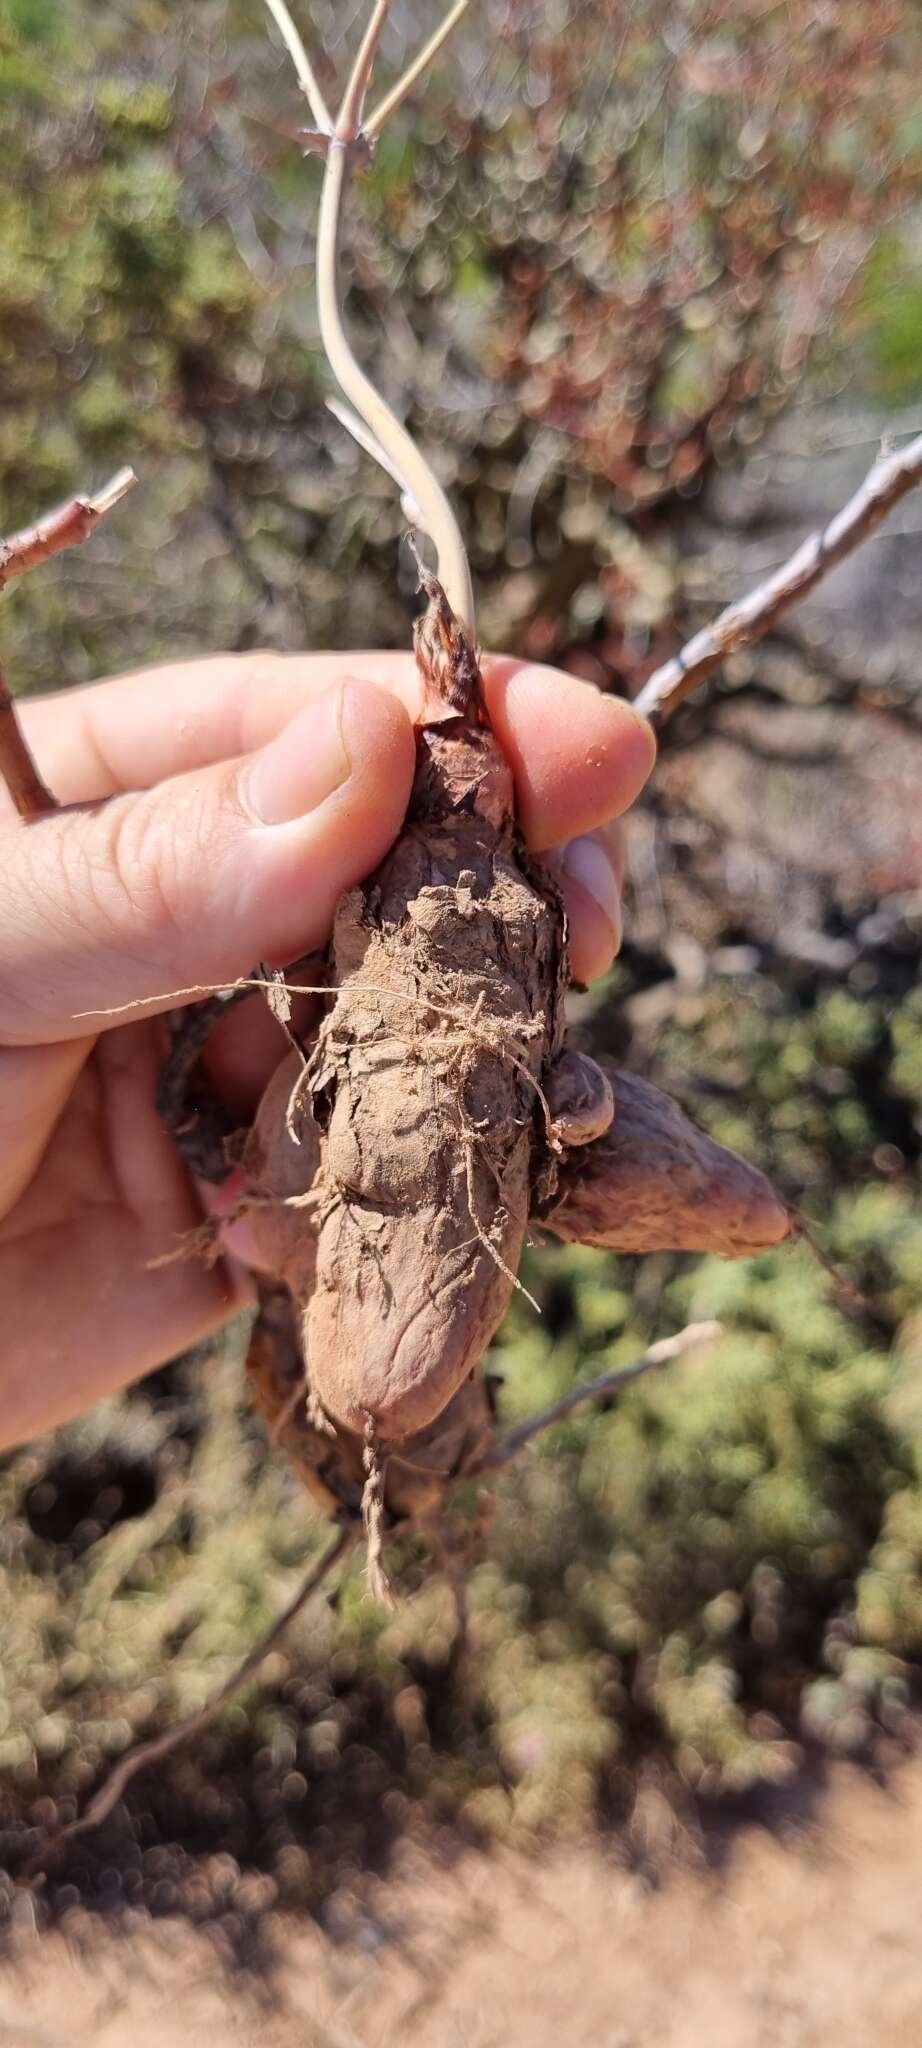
(426, 1080)
(652, 1182)
(439, 1109)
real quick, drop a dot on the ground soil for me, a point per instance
(797, 1930)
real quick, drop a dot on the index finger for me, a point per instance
(579, 758)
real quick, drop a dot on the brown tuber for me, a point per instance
(427, 1077)
(439, 1110)
(402, 1152)
(400, 1155)
(654, 1183)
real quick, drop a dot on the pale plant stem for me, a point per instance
(398, 93)
(387, 438)
(601, 1389)
(349, 118)
(353, 425)
(306, 76)
(383, 425)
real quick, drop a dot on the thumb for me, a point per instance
(190, 883)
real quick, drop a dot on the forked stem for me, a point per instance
(349, 118)
(346, 143)
(353, 425)
(398, 93)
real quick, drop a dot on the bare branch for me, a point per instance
(29, 793)
(144, 1753)
(64, 528)
(746, 621)
(307, 79)
(599, 1389)
(398, 93)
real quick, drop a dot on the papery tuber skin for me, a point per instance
(281, 1159)
(329, 1463)
(654, 1182)
(437, 1084)
(449, 967)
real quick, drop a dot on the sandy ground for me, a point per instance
(802, 1939)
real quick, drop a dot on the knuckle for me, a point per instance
(123, 870)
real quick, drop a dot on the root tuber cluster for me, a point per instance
(398, 1161)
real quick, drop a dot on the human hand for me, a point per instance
(216, 811)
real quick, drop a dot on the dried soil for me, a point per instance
(799, 1930)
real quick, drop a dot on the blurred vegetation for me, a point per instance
(590, 267)
(595, 266)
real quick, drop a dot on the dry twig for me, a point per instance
(159, 1746)
(750, 617)
(599, 1389)
(64, 528)
(31, 796)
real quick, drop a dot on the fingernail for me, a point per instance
(302, 766)
(588, 863)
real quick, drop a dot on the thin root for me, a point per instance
(487, 1041)
(601, 1389)
(159, 1746)
(202, 1242)
(373, 1517)
(280, 1421)
(850, 1296)
(482, 1236)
